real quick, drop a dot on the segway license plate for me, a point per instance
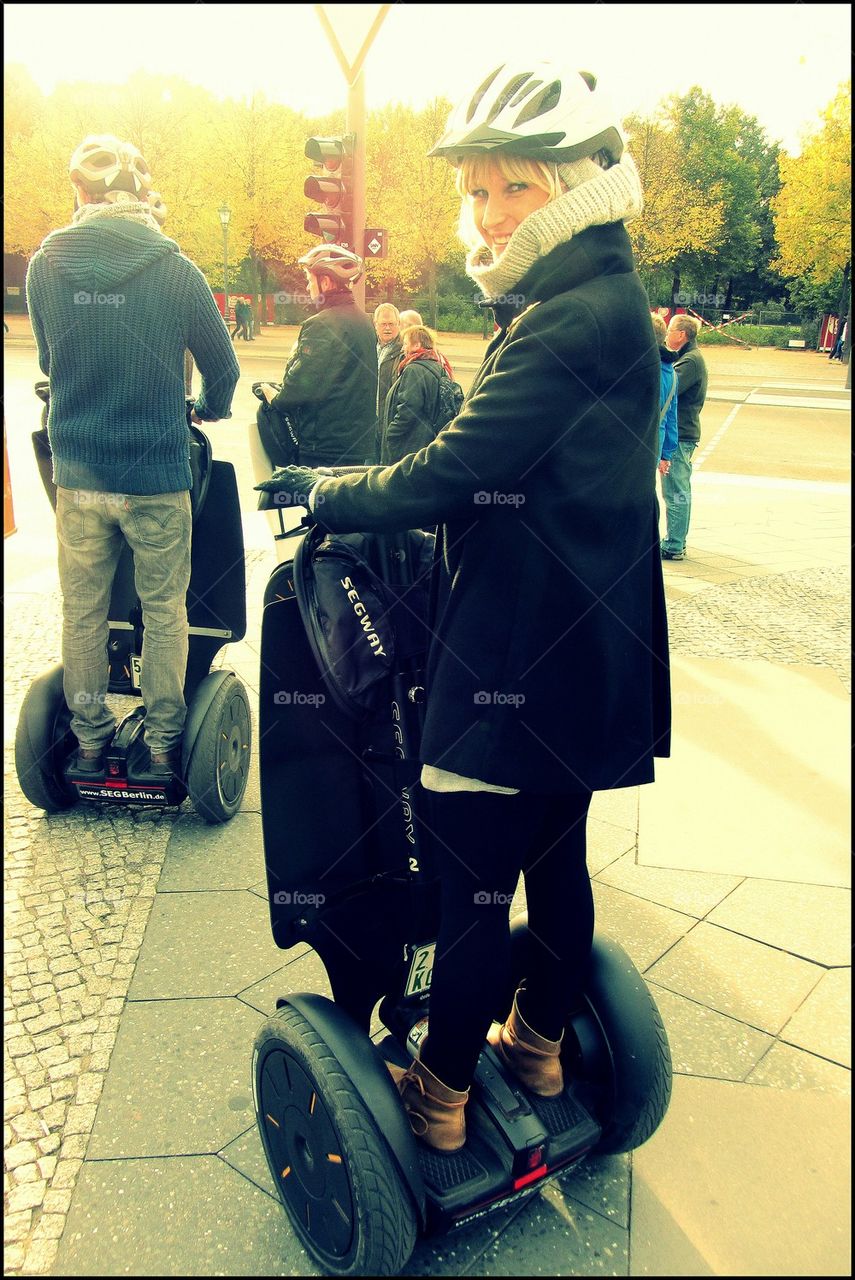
(421, 970)
(136, 670)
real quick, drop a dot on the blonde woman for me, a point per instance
(548, 674)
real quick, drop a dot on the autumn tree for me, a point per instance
(813, 210)
(412, 195)
(716, 146)
(38, 196)
(680, 216)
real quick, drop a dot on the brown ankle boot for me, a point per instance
(533, 1060)
(435, 1111)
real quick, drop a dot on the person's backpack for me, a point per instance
(450, 401)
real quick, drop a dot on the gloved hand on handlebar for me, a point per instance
(292, 485)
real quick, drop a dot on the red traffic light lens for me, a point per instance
(328, 191)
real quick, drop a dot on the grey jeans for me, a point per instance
(90, 530)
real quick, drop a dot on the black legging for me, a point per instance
(484, 841)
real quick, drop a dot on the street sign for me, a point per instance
(376, 242)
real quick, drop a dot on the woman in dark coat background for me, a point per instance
(411, 407)
(548, 673)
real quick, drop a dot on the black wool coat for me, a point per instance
(411, 410)
(548, 670)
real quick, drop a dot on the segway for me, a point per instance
(347, 840)
(215, 751)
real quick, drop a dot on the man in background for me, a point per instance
(691, 370)
(387, 326)
(329, 388)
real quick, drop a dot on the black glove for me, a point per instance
(292, 485)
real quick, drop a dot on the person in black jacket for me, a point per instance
(410, 412)
(547, 677)
(330, 384)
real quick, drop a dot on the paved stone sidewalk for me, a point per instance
(79, 889)
(154, 1167)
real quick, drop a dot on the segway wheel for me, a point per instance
(637, 1045)
(43, 739)
(219, 766)
(331, 1166)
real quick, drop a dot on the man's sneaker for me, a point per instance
(672, 555)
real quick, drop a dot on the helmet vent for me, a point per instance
(541, 104)
(505, 96)
(479, 94)
(528, 87)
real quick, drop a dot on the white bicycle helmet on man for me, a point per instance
(333, 260)
(110, 170)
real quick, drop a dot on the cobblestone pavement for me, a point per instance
(80, 887)
(786, 617)
(78, 890)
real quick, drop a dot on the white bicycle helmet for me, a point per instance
(156, 206)
(103, 164)
(536, 110)
(333, 260)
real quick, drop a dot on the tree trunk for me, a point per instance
(675, 289)
(846, 303)
(431, 281)
(844, 290)
(256, 269)
(728, 301)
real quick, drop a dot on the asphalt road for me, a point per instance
(781, 414)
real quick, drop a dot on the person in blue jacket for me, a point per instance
(667, 399)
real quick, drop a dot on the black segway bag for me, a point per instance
(360, 629)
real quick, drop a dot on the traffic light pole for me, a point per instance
(353, 74)
(356, 126)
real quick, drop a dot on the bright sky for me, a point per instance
(780, 62)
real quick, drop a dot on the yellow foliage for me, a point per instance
(813, 210)
(678, 217)
(413, 196)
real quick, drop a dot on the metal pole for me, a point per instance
(356, 126)
(226, 274)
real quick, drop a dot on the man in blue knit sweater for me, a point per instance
(113, 305)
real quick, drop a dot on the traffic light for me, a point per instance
(331, 186)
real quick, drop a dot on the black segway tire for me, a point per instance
(218, 769)
(40, 741)
(331, 1166)
(637, 1047)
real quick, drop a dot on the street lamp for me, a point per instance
(225, 214)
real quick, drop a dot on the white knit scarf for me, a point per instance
(136, 210)
(597, 197)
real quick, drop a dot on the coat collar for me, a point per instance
(597, 251)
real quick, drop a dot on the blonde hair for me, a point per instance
(658, 326)
(417, 335)
(474, 170)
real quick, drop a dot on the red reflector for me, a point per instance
(529, 1177)
(534, 1158)
(114, 770)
